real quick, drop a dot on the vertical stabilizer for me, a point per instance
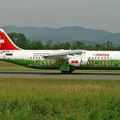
(6, 43)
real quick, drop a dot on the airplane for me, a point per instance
(65, 60)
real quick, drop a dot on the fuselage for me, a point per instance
(40, 54)
(83, 58)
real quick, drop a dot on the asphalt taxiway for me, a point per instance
(58, 75)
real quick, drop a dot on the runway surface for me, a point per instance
(58, 75)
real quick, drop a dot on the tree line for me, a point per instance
(20, 40)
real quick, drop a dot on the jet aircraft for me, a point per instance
(65, 60)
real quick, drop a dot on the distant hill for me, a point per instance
(70, 34)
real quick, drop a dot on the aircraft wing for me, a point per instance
(63, 53)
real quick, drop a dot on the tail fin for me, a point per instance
(6, 43)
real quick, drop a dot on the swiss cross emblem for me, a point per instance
(1, 41)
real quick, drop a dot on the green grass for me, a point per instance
(44, 99)
(6, 66)
(57, 99)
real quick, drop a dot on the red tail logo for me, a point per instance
(6, 43)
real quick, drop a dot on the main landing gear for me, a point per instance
(66, 69)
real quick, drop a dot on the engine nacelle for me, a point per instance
(78, 61)
(74, 62)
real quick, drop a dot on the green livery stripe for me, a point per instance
(56, 63)
(47, 63)
(106, 63)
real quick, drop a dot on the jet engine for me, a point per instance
(76, 62)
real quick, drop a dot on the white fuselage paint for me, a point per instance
(40, 54)
(97, 55)
(33, 54)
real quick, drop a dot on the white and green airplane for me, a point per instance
(65, 60)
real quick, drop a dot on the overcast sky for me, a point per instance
(98, 14)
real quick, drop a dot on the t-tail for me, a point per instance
(6, 43)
